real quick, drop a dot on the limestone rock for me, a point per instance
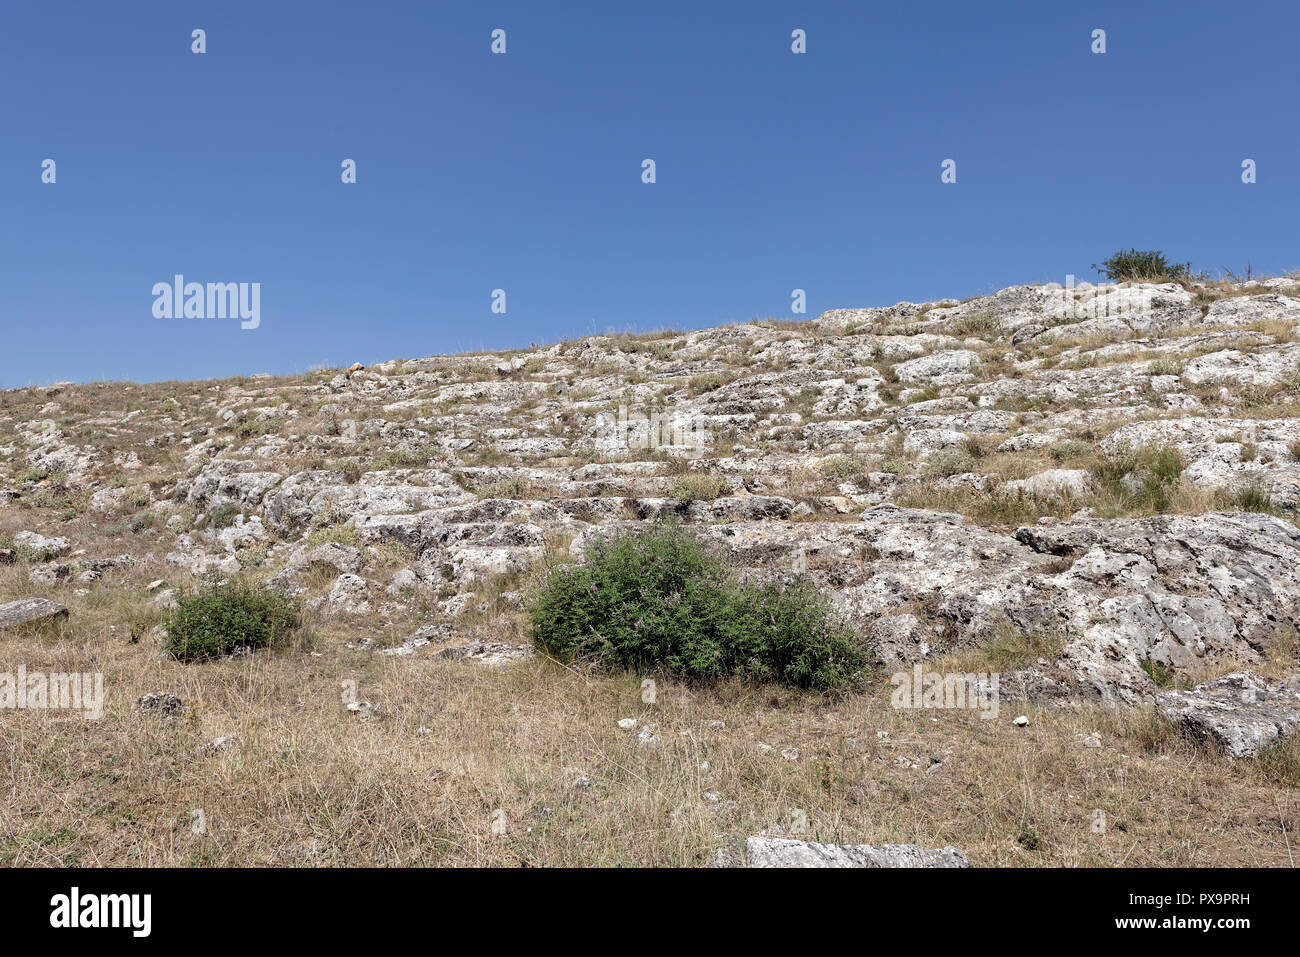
(26, 611)
(39, 548)
(779, 852)
(1241, 712)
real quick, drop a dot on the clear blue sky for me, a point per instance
(523, 172)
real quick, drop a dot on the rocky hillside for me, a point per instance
(1093, 489)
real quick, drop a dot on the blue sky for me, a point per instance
(522, 171)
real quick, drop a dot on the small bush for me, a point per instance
(513, 487)
(1068, 449)
(252, 430)
(978, 324)
(658, 599)
(698, 486)
(843, 467)
(1252, 498)
(223, 516)
(37, 475)
(1028, 837)
(219, 619)
(1147, 265)
(252, 556)
(948, 462)
(1165, 463)
(1160, 673)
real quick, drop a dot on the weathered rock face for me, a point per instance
(27, 611)
(1247, 310)
(1175, 590)
(343, 558)
(777, 852)
(239, 482)
(1240, 712)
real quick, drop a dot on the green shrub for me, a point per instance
(216, 620)
(1253, 498)
(251, 430)
(976, 324)
(1142, 265)
(403, 459)
(223, 516)
(844, 467)
(1068, 449)
(658, 599)
(948, 462)
(1159, 672)
(1165, 463)
(698, 486)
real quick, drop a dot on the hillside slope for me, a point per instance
(1090, 492)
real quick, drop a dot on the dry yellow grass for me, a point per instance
(458, 746)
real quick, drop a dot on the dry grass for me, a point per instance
(312, 784)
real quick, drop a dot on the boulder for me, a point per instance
(1240, 712)
(940, 368)
(48, 574)
(1053, 482)
(26, 611)
(38, 548)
